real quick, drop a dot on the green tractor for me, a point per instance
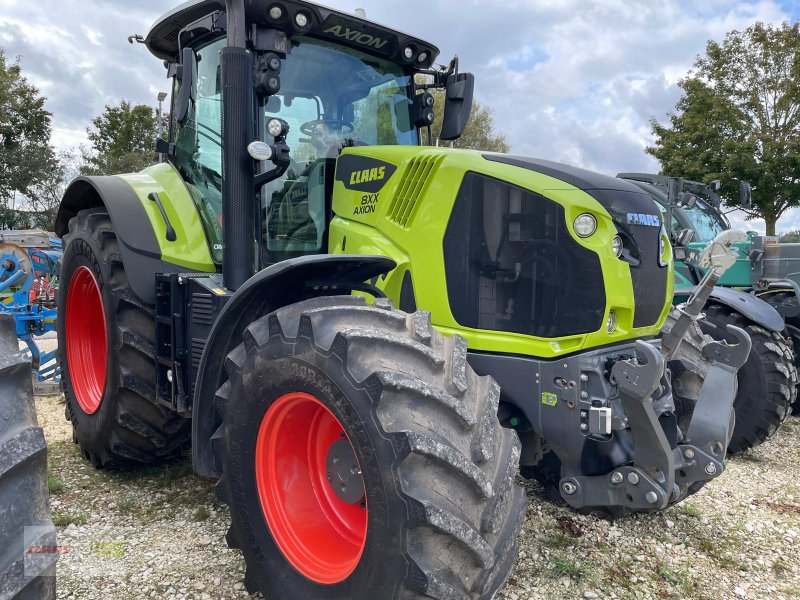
(220, 299)
(767, 382)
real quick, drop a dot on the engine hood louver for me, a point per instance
(411, 188)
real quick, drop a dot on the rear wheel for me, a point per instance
(362, 457)
(27, 535)
(107, 344)
(766, 381)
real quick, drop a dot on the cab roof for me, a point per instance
(323, 23)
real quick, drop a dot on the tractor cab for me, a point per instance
(323, 81)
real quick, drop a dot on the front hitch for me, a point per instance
(659, 474)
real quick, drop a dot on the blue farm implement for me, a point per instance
(29, 264)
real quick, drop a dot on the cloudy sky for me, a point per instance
(569, 80)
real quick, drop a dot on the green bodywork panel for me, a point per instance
(191, 248)
(738, 276)
(410, 229)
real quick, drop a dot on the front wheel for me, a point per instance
(363, 458)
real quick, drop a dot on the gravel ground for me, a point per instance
(159, 533)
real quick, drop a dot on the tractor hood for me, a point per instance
(503, 258)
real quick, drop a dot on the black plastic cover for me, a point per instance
(512, 265)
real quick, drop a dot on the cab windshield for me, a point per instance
(705, 221)
(332, 97)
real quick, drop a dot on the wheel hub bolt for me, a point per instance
(651, 497)
(689, 453)
(616, 477)
(633, 478)
(569, 488)
(711, 468)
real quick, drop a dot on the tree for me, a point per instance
(792, 237)
(739, 119)
(122, 140)
(26, 157)
(480, 133)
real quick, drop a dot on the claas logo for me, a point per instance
(376, 174)
(640, 219)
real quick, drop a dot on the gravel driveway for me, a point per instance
(160, 533)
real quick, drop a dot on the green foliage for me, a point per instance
(792, 237)
(26, 158)
(739, 119)
(122, 140)
(480, 133)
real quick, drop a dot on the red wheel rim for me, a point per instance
(320, 534)
(87, 345)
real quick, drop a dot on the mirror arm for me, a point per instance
(281, 160)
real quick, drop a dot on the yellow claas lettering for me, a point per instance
(367, 175)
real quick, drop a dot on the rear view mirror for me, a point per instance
(745, 195)
(684, 237)
(687, 199)
(457, 105)
(186, 74)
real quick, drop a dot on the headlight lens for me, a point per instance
(274, 127)
(616, 245)
(301, 20)
(611, 322)
(585, 225)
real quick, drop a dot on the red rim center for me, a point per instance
(87, 345)
(320, 534)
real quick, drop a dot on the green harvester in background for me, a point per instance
(758, 293)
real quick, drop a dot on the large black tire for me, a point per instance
(128, 427)
(766, 381)
(27, 556)
(785, 301)
(443, 509)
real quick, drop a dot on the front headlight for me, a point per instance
(584, 225)
(611, 322)
(616, 245)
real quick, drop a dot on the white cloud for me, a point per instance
(574, 80)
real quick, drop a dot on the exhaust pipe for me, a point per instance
(238, 190)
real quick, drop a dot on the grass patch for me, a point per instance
(54, 483)
(688, 584)
(201, 514)
(127, 505)
(689, 511)
(558, 540)
(706, 545)
(750, 458)
(667, 575)
(780, 567)
(64, 519)
(563, 566)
